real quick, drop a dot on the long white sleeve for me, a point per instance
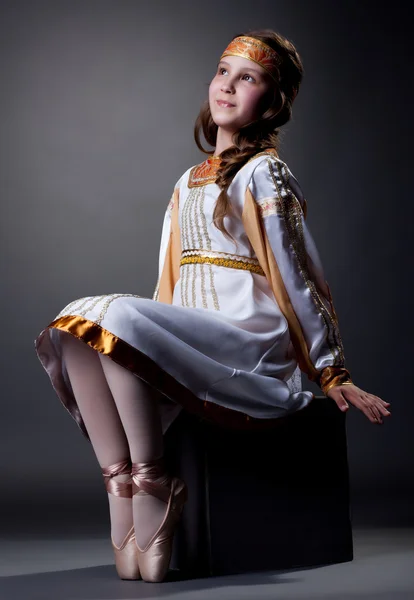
(282, 207)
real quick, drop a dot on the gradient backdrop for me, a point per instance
(98, 103)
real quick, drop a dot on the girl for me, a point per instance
(241, 306)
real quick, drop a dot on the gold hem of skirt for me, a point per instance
(105, 342)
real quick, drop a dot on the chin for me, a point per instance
(221, 120)
(226, 125)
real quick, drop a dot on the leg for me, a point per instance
(102, 422)
(138, 410)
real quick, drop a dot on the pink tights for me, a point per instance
(121, 416)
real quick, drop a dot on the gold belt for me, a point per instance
(223, 259)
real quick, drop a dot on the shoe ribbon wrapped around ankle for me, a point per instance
(118, 488)
(151, 478)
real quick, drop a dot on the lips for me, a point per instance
(225, 104)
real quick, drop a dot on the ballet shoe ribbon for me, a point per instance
(151, 478)
(118, 488)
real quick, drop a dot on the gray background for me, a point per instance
(98, 103)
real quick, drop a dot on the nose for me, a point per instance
(227, 86)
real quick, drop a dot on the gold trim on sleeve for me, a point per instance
(291, 211)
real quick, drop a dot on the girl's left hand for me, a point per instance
(372, 406)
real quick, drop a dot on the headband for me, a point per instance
(257, 51)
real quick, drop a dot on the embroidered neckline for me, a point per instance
(206, 172)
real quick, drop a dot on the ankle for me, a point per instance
(151, 477)
(118, 481)
(123, 477)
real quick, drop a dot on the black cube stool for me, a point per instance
(262, 500)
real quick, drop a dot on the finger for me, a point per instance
(339, 400)
(342, 403)
(372, 417)
(383, 410)
(377, 414)
(379, 405)
(375, 410)
(367, 410)
(380, 400)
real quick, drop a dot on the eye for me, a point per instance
(245, 75)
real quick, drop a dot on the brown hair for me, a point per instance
(257, 135)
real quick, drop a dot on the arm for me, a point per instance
(282, 210)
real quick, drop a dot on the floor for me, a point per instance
(72, 568)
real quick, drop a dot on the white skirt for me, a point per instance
(197, 359)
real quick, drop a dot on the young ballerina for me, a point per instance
(241, 306)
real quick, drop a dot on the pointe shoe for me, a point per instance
(154, 559)
(126, 555)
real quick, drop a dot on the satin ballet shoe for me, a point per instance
(126, 555)
(154, 559)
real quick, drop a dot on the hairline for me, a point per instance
(244, 69)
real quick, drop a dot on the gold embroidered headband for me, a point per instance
(257, 51)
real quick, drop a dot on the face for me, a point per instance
(242, 83)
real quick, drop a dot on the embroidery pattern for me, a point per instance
(206, 172)
(110, 299)
(194, 232)
(208, 244)
(97, 299)
(185, 241)
(294, 383)
(200, 243)
(224, 259)
(93, 300)
(291, 211)
(269, 206)
(257, 51)
(222, 262)
(70, 306)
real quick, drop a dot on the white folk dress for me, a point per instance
(221, 341)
